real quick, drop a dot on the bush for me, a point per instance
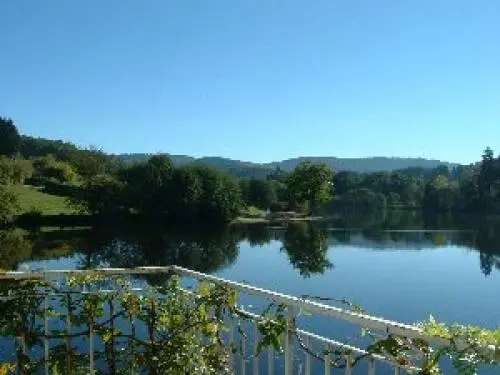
(14, 171)
(8, 205)
(48, 167)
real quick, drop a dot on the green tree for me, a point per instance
(8, 204)
(90, 162)
(148, 185)
(185, 194)
(489, 175)
(100, 195)
(259, 193)
(10, 140)
(346, 180)
(14, 171)
(37, 147)
(439, 195)
(362, 200)
(220, 199)
(311, 183)
(468, 195)
(47, 167)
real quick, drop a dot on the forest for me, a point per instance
(99, 184)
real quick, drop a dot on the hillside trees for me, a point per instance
(10, 140)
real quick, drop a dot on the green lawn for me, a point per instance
(31, 198)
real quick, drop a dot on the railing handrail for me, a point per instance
(364, 320)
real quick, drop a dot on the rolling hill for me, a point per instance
(243, 168)
(34, 147)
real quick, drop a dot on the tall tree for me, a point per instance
(10, 140)
(486, 179)
(312, 183)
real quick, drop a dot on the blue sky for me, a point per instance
(256, 80)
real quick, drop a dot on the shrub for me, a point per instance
(8, 204)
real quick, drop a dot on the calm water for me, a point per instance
(398, 266)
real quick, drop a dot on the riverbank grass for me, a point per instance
(33, 199)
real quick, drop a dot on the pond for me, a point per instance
(400, 266)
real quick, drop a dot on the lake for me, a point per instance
(400, 266)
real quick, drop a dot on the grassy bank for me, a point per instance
(32, 198)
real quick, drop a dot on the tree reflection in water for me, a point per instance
(306, 244)
(199, 250)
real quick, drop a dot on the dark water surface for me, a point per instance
(398, 266)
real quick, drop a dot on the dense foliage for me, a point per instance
(156, 189)
(310, 183)
(10, 140)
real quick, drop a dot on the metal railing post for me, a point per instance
(231, 342)
(255, 353)
(91, 348)
(326, 358)
(68, 337)
(289, 340)
(307, 342)
(270, 361)
(46, 330)
(243, 351)
(348, 364)
(371, 366)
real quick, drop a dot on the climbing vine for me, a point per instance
(105, 324)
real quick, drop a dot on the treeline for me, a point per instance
(99, 184)
(470, 189)
(102, 184)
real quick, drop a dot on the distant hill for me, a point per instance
(248, 169)
(235, 167)
(373, 164)
(33, 147)
(178, 160)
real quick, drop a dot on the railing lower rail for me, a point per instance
(292, 303)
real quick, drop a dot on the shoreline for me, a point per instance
(265, 220)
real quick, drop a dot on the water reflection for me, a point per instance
(199, 250)
(305, 244)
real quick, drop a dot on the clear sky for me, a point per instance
(256, 80)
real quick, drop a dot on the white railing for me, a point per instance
(293, 304)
